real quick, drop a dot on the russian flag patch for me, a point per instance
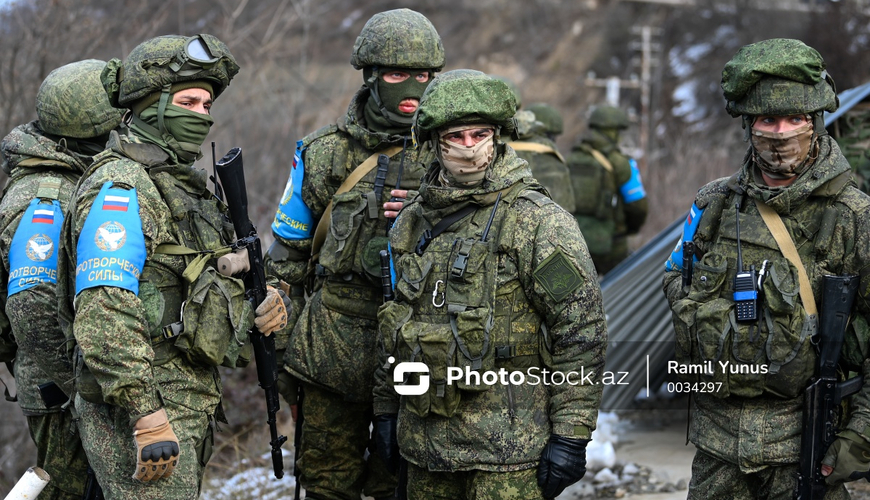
(42, 216)
(118, 203)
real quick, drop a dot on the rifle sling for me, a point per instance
(600, 158)
(351, 181)
(786, 245)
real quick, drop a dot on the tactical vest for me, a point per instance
(773, 355)
(459, 305)
(191, 310)
(596, 198)
(549, 168)
(349, 258)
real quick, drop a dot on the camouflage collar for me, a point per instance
(354, 124)
(26, 147)
(507, 171)
(149, 155)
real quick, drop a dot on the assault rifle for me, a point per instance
(824, 395)
(232, 176)
(387, 289)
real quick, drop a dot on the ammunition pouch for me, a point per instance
(773, 355)
(463, 343)
(214, 323)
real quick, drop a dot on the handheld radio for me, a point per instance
(745, 282)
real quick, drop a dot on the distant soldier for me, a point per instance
(44, 159)
(492, 277)
(536, 144)
(610, 199)
(341, 176)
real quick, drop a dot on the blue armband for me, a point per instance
(33, 252)
(675, 261)
(111, 247)
(293, 220)
(632, 190)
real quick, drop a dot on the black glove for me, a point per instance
(563, 463)
(386, 442)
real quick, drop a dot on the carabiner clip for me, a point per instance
(435, 294)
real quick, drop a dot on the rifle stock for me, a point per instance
(232, 176)
(823, 397)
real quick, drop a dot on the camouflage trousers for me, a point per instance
(107, 435)
(714, 479)
(472, 485)
(59, 451)
(336, 457)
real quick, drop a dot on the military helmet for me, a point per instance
(549, 116)
(608, 117)
(777, 77)
(156, 64)
(514, 88)
(71, 102)
(400, 38)
(463, 96)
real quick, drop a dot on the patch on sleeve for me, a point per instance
(33, 253)
(558, 275)
(293, 219)
(111, 247)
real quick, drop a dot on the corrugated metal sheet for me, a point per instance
(639, 325)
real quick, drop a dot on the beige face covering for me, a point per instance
(781, 155)
(466, 165)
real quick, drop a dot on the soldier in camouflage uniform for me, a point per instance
(491, 277)
(332, 349)
(547, 163)
(610, 199)
(44, 159)
(748, 428)
(143, 235)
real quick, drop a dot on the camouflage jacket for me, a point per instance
(347, 281)
(528, 300)
(548, 168)
(755, 419)
(121, 333)
(32, 160)
(599, 208)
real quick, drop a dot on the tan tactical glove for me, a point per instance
(157, 449)
(849, 455)
(271, 314)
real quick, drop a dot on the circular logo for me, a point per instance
(39, 248)
(110, 236)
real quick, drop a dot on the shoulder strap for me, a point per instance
(49, 188)
(600, 158)
(351, 181)
(786, 244)
(430, 234)
(534, 147)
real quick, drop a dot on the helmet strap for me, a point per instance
(161, 108)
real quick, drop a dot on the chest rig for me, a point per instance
(773, 353)
(460, 308)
